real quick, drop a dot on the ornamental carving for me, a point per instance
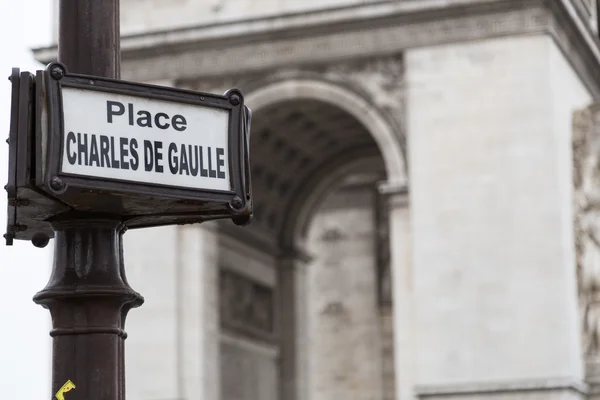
(381, 79)
(586, 180)
(378, 80)
(246, 306)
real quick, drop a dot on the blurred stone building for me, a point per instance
(415, 233)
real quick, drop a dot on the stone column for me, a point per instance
(286, 328)
(292, 322)
(198, 321)
(400, 253)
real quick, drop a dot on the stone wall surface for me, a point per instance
(488, 128)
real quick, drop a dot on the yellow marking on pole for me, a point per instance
(60, 395)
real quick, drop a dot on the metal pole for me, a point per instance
(89, 37)
(88, 295)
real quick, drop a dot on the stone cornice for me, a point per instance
(244, 47)
(294, 25)
(578, 43)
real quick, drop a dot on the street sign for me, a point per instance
(139, 139)
(152, 155)
(155, 155)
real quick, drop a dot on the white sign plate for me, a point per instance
(143, 140)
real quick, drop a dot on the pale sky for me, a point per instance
(25, 345)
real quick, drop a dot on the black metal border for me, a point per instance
(26, 125)
(56, 77)
(41, 124)
(11, 186)
(13, 137)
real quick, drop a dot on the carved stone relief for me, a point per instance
(586, 179)
(246, 306)
(382, 79)
(379, 80)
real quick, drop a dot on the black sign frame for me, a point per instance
(28, 208)
(50, 136)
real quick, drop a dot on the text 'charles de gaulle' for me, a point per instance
(129, 153)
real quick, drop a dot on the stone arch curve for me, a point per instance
(355, 104)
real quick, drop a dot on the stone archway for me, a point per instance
(353, 103)
(308, 136)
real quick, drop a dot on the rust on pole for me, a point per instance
(88, 295)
